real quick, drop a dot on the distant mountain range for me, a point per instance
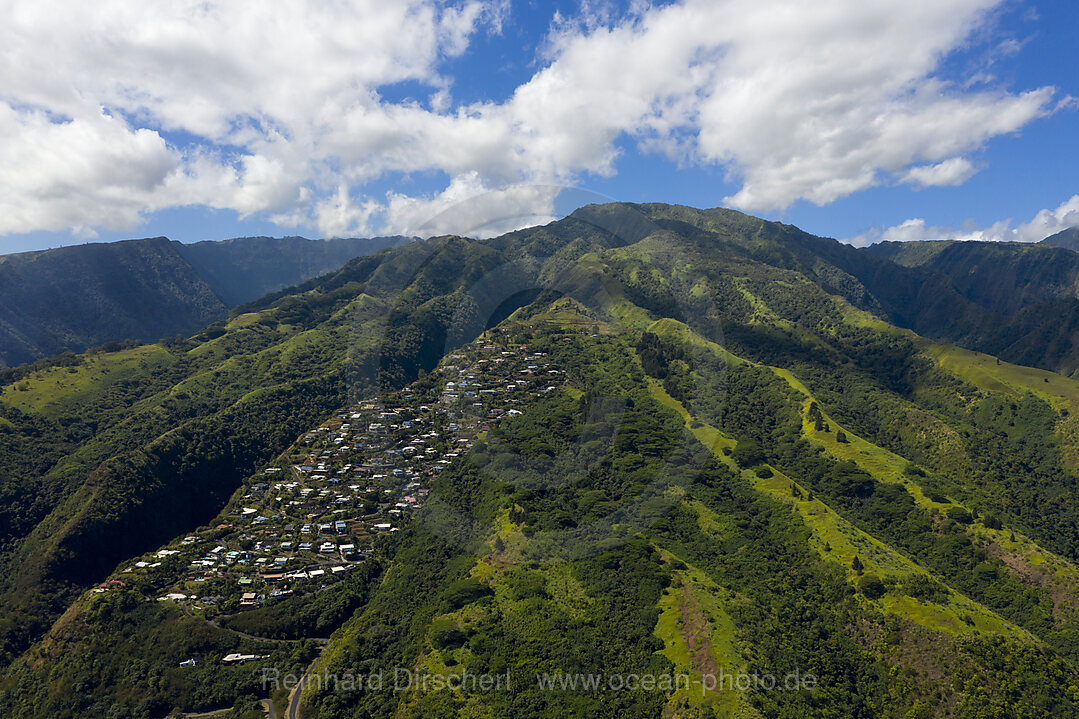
(73, 298)
(1018, 301)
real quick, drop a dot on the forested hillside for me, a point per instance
(1018, 301)
(72, 298)
(645, 440)
(244, 269)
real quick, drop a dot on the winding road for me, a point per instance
(294, 696)
(271, 710)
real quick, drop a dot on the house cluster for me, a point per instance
(305, 521)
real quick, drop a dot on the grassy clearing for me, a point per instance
(981, 370)
(762, 313)
(245, 320)
(711, 524)
(836, 540)
(699, 638)
(667, 328)
(56, 390)
(568, 313)
(883, 465)
(961, 617)
(1029, 561)
(513, 539)
(211, 350)
(992, 375)
(707, 435)
(1034, 565)
(628, 315)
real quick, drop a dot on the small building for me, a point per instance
(238, 658)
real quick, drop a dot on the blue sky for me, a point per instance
(909, 119)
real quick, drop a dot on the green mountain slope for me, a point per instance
(246, 268)
(76, 297)
(1068, 239)
(644, 441)
(1001, 277)
(1019, 301)
(72, 298)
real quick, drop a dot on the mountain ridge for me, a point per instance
(832, 492)
(1023, 298)
(1068, 238)
(72, 298)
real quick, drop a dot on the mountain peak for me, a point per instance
(1068, 239)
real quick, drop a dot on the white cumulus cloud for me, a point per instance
(951, 172)
(1046, 222)
(113, 109)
